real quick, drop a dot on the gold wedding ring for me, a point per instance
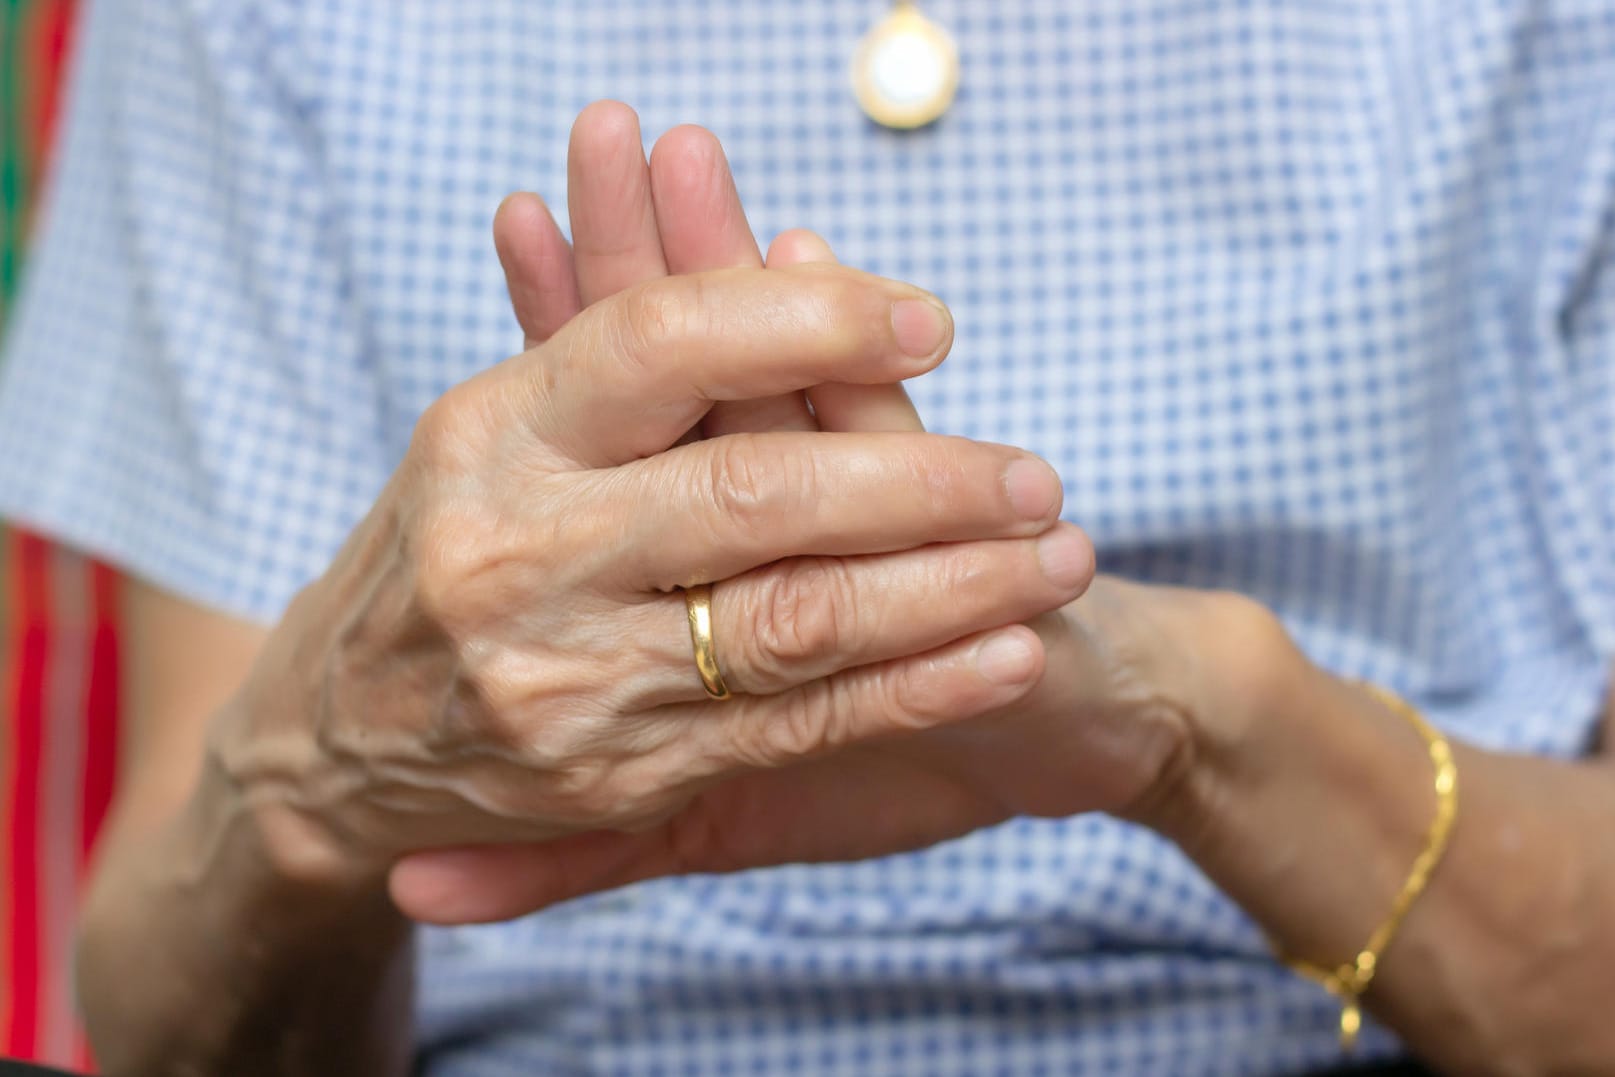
(698, 603)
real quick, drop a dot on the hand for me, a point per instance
(499, 658)
(1100, 729)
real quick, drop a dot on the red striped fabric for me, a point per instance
(58, 737)
(100, 710)
(31, 663)
(62, 692)
(49, 32)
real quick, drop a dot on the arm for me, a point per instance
(185, 903)
(1307, 801)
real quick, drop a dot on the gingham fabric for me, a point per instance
(1309, 300)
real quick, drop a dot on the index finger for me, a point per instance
(628, 376)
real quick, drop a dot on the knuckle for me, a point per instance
(586, 788)
(974, 575)
(484, 706)
(450, 431)
(472, 561)
(853, 319)
(593, 768)
(804, 608)
(906, 699)
(862, 321)
(627, 806)
(603, 792)
(958, 475)
(656, 317)
(751, 490)
(559, 763)
(806, 724)
(553, 747)
(445, 552)
(474, 566)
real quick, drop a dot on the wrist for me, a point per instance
(270, 781)
(268, 785)
(263, 835)
(1303, 797)
(1227, 664)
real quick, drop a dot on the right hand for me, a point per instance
(500, 654)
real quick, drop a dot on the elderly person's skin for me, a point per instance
(533, 703)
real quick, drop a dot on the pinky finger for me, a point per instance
(962, 680)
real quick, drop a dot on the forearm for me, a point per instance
(1308, 802)
(200, 954)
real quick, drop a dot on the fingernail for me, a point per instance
(920, 326)
(1065, 557)
(1007, 658)
(1034, 488)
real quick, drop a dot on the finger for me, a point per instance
(837, 406)
(538, 267)
(698, 211)
(797, 246)
(481, 884)
(614, 235)
(961, 680)
(785, 625)
(720, 507)
(801, 619)
(629, 375)
(809, 813)
(816, 808)
(703, 226)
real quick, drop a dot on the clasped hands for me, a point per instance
(489, 701)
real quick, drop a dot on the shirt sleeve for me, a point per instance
(187, 390)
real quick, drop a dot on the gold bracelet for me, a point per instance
(1348, 982)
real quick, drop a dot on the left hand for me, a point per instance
(1106, 729)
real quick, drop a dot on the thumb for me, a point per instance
(478, 884)
(839, 407)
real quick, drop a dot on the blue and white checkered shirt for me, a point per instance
(1311, 300)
